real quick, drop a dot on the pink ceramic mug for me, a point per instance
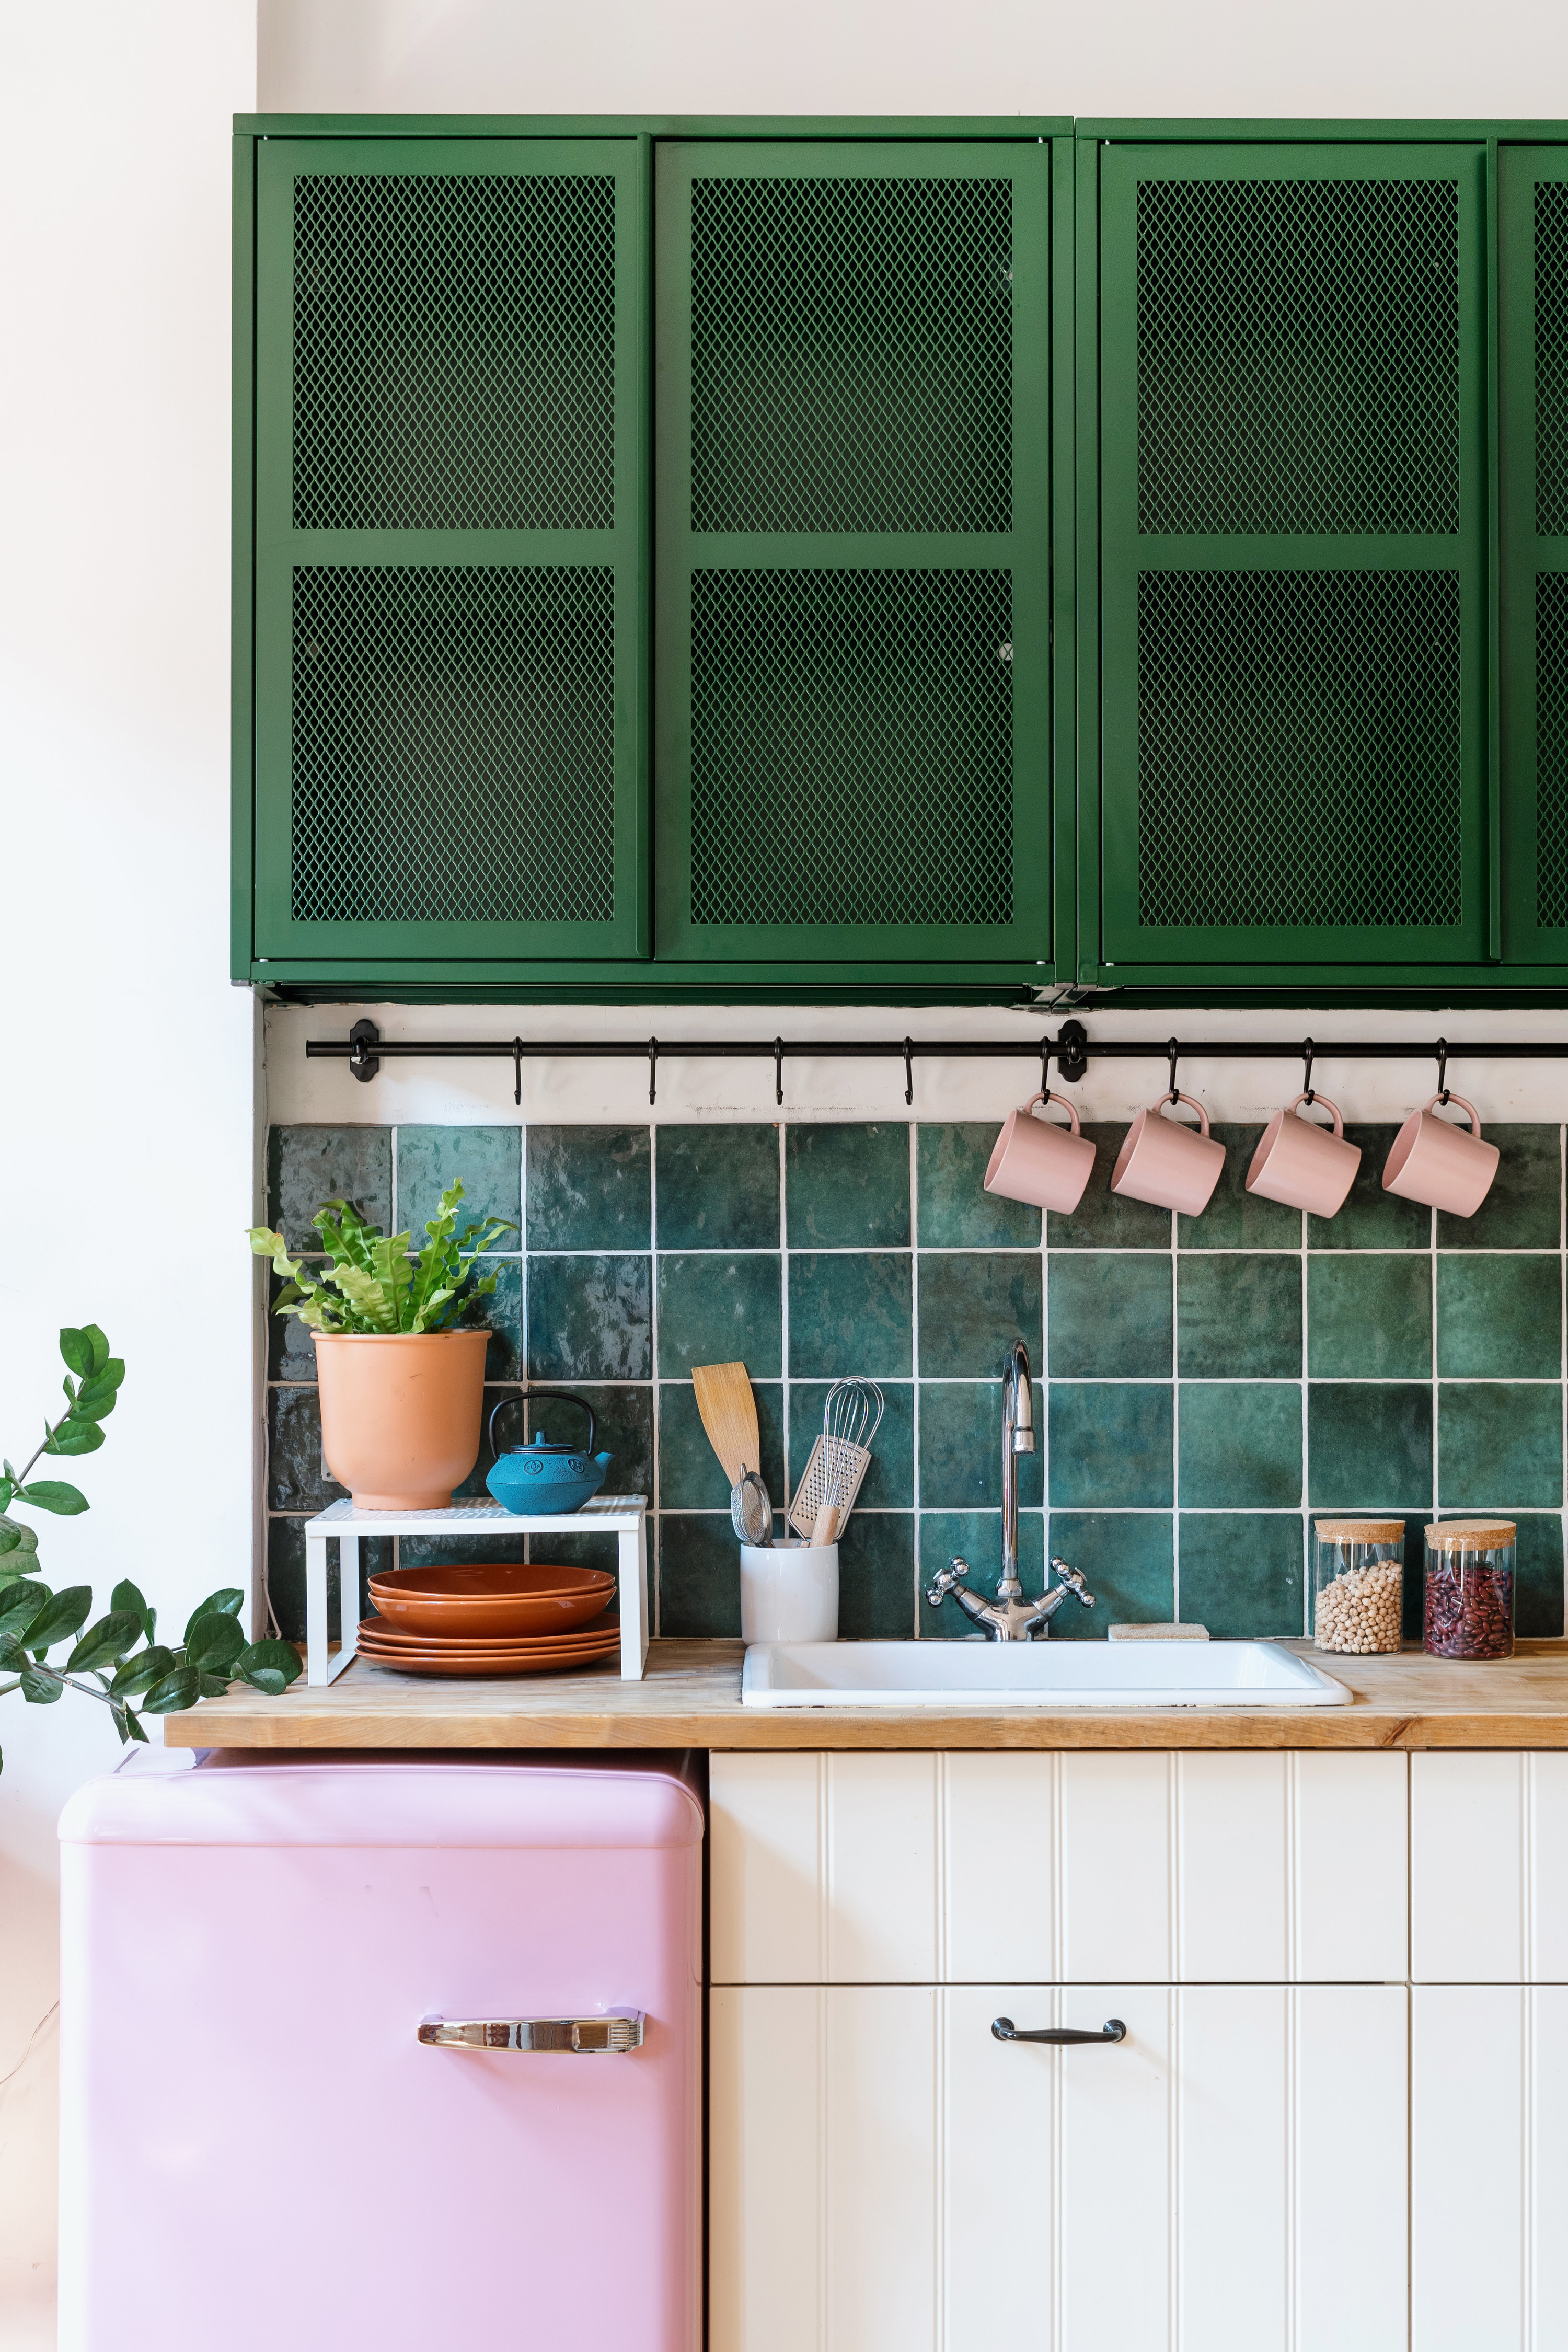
(1306, 1167)
(1439, 1164)
(1170, 1166)
(1046, 1166)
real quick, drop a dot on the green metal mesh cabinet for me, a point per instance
(1290, 698)
(449, 533)
(1533, 439)
(853, 641)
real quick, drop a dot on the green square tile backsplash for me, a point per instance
(1203, 1384)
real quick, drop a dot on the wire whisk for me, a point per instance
(840, 1458)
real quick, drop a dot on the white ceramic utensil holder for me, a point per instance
(789, 1592)
(623, 1515)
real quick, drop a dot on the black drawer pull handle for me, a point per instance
(1003, 2030)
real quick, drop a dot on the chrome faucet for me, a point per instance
(1011, 1617)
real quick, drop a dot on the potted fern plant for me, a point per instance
(401, 1390)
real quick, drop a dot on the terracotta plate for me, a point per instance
(373, 1634)
(540, 1662)
(491, 1597)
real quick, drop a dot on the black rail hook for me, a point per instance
(909, 1070)
(517, 1071)
(1443, 1071)
(1307, 1094)
(778, 1071)
(1171, 1051)
(1045, 1070)
(652, 1067)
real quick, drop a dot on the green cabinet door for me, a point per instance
(450, 423)
(1533, 296)
(1291, 689)
(853, 418)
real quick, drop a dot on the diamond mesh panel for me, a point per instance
(453, 744)
(1552, 357)
(852, 355)
(1298, 748)
(851, 747)
(1551, 751)
(454, 352)
(1299, 355)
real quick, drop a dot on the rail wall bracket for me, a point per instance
(1071, 1060)
(363, 1062)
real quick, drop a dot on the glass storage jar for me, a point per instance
(1358, 1584)
(1470, 1588)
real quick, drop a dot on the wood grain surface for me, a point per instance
(690, 1698)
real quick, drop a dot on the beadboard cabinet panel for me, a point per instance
(1184, 2188)
(1490, 2163)
(909, 1867)
(1489, 1888)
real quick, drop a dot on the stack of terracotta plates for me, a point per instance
(491, 1618)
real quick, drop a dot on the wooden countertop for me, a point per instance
(690, 1698)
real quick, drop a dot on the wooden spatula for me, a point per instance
(728, 1412)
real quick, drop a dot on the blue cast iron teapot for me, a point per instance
(541, 1478)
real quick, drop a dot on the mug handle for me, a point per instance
(1070, 1108)
(1193, 1104)
(1328, 1105)
(1467, 1107)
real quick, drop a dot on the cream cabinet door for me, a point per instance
(913, 1868)
(1489, 1868)
(1489, 2131)
(886, 2176)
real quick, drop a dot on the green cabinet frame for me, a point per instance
(1532, 295)
(638, 956)
(1165, 545)
(568, 583)
(824, 590)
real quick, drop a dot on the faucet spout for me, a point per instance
(1017, 1437)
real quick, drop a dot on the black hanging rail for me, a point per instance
(1071, 1049)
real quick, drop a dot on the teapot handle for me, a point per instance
(527, 1397)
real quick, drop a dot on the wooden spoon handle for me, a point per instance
(827, 1525)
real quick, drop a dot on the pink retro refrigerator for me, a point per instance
(402, 2055)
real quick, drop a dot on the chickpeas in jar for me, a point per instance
(1358, 1585)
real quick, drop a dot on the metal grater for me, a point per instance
(834, 1463)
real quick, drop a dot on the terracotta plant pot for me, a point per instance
(400, 1415)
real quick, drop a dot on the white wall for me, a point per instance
(888, 57)
(126, 1061)
(689, 1087)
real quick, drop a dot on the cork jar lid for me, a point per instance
(1472, 1535)
(1360, 1531)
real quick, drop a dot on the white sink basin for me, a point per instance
(1053, 1674)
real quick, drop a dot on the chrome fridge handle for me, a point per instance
(584, 2036)
(1003, 2030)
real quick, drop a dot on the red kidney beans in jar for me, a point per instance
(1470, 1588)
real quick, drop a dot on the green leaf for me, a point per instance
(215, 1686)
(141, 1672)
(73, 1437)
(53, 1495)
(270, 1665)
(103, 1382)
(100, 1346)
(227, 1601)
(21, 1604)
(127, 1595)
(128, 1724)
(15, 1536)
(13, 1657)
(174, 1691)
(40, 1687)
(213, 1642)
(76, 1349)
(67, 1613)
(105, 1643)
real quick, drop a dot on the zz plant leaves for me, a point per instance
(106, 1663)
(373, 1285)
